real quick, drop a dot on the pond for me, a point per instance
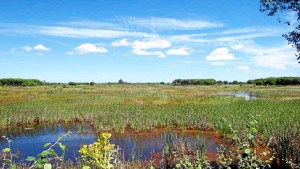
(245, 95)
(30, 142)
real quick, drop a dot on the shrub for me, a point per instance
(101, 154)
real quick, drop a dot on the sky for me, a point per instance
(142, 40)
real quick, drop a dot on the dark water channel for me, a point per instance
(30, 142)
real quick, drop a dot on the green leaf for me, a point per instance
(47, 144)
(6, 161)
(248, 151)
(178, 165)
(13, 166)
(47, 166)
(30, 158)
(62, 147)
(6, 150)
(253, 130)
(250, 136)
(252, 123)
(235, 137)
(86, 167)
(45, 160)
(48, 152)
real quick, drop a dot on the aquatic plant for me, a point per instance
(244, 150)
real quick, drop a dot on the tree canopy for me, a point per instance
(273, 7)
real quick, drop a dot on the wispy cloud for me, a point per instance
(227, 36)
(150, 44)
(243, 68)
(170, 23)
(27, 48)
(69, 31)
(139, 51)
(220, 54)
(217, 64)
(88, 33)
(277, 57)
(122, 42)
(90, 24)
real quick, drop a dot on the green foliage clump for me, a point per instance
(20, 82)
(101, 154)
(276, 81)
(194, 82)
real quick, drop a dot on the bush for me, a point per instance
(101, 154)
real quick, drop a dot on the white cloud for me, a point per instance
(228, 37)
(291, 17)
(183, 51)
(88, 33)
(143, 47)
(13, 49)
(243, 68)
(38, 47)
(170, 23)
(237, 46)
(138, 51)
(122, 42)
(27, 48)
(217, 64)
(220, 54)
(89, 48)
(280, 66)
(151, 44)
(275, 60)
(278, 57)
(41, 47)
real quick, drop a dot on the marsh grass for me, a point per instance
(144, 107)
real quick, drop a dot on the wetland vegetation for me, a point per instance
(121, 108)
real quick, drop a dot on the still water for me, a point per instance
(245, 95)
(30, 141)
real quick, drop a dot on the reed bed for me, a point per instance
(144, 107)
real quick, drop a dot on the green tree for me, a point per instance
(250, 82)
(120, 81)
(92, 83)
(72, 84)
(270, 81)
(259, 81)
(235, 82)
(274, 7)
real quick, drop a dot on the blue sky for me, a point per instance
(142, 40)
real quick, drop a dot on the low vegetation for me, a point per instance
(117, 107)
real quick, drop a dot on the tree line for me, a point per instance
(181, 82)
(261, 81)
(276, 81)
(20, 82)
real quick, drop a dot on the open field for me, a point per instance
(148, 106)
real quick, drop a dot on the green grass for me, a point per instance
(114, 107)
(144, 107)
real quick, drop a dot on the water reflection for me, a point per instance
(29, 142)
